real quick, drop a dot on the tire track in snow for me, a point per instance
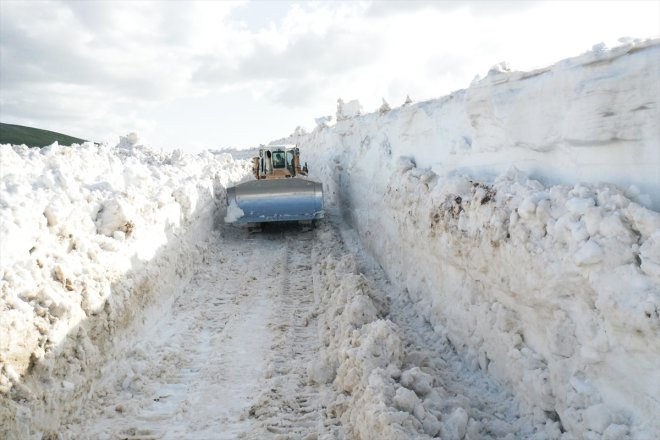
(194, 373)
(291, 407)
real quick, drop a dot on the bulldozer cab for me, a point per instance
(277, 162)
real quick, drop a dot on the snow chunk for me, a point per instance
(384, 108)
(455, 427)
(115, 215)
(322, 370)
(589, 253)
(406, 400)
(578, 206)
(616, 432)
(418, 381)
(348, 110)
(502, 67)
(597, 418)
(234, 212)
(132, 138)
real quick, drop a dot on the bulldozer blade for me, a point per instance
(277, 200)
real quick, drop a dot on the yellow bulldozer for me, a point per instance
(281, 191)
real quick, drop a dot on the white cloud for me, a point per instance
(174, 69)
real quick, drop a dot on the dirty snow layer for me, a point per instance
(488, 208)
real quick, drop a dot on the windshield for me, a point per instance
(278, 159)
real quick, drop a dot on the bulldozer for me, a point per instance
(280, 192)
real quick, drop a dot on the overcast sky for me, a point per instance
(219, 74)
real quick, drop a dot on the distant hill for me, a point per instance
(33, 137)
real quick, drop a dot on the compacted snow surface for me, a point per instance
(447, 293)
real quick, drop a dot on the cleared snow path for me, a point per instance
(291, 405)
(218, 357)
(291, 335)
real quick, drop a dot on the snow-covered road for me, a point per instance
(223, 355)
(248, 350)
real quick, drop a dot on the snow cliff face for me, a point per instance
(538, 272)
(89, 237)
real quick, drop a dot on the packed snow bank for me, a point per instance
(540, 274)
(593, 118)
(89, 236)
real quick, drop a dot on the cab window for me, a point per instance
(278, 159)
(289, 161)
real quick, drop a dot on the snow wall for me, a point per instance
(521, 217)
(90, 237)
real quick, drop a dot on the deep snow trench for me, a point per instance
(489, 268)
(249, 347)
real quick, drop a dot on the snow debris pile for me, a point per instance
(386, 386)
(89, 235)
(362, 352)
(488, 207)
